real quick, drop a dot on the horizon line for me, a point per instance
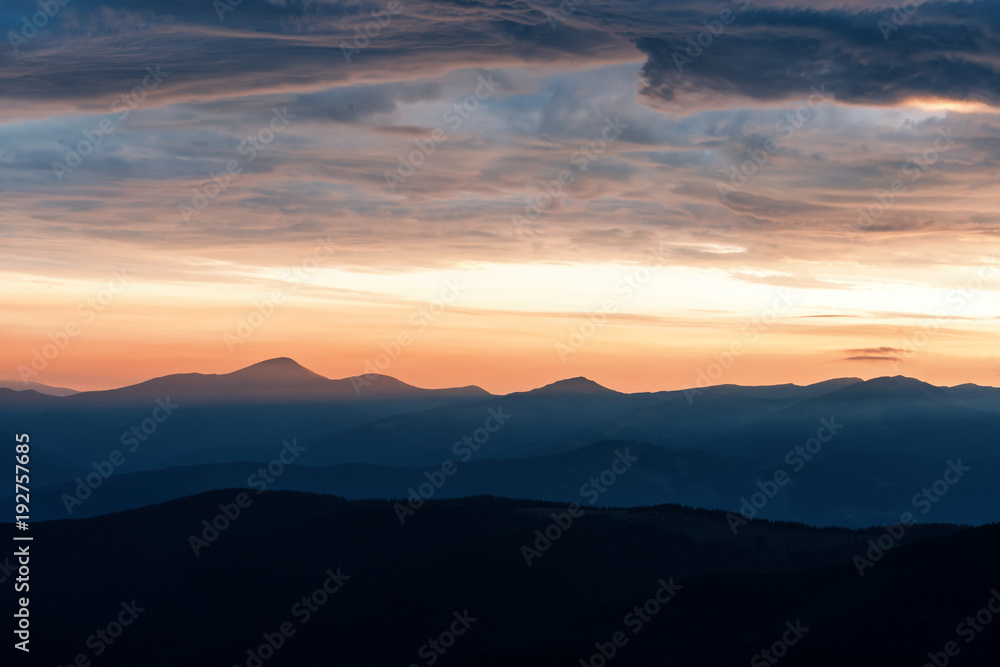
(10, 382)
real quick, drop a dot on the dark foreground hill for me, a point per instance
(451, 586)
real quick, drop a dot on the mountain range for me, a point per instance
(885, 441)
(273, 517)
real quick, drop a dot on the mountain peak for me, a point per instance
(577, 385)
(279, 368)
(898, 386)
(834, 382)
(898, 381)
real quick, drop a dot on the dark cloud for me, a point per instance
(356, 121)
(875, 354)
(94, 48)
(776, 54)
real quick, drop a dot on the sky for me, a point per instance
(654, 195)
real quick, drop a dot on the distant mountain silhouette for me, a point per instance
(577, 385)
(782, 391)
(231, 417)
(277, 369)
(272, 381)
(897, 387)
(851, 490)
(708, 449)
(17, 385)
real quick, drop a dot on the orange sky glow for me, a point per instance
(517, 215)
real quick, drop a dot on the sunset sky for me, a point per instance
(521, 190)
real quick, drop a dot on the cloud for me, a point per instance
(875, 354)
(945, 49)
(356, 120)
(873, 358)
(96, 48)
